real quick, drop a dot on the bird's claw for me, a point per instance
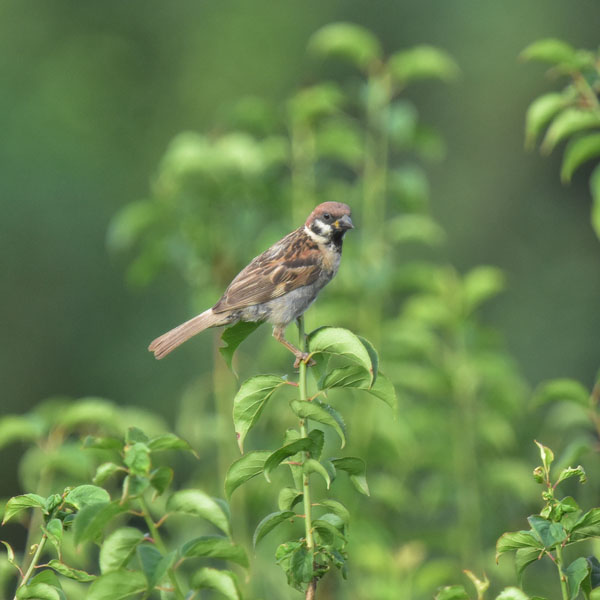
(304, 358)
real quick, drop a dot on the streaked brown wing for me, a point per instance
(274, 273)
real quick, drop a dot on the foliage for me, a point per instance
(572, 114)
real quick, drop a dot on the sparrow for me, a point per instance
(279, 284)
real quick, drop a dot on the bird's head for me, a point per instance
(329, 222)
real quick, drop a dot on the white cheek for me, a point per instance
(320, 239)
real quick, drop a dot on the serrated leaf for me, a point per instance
(117, 585)
(422, 62)
(212, 546)
(327, 531)
(288, 498)
(195, 502)
(373, 355)
(578, 151)
(356, 469)
(245, 468)
(18, 503)
(513, 540)
(250, 401)
(118, 548)
(566, 123)
(576, 572)
(539, 114)
(562, 390)
(134, 435)
(70, 572)
(523, 558)
(91, 520)
(316, 412)
(54, 531)
(572, 472)
(306, 444)
(549, 50)
(224, 582)
(269, 523)
(84, 495)
(341, 342)
(587, 526)
(137, 458)
(350, 376)
(232, 337)
(384, 390)
(348, 41)
(314, 466)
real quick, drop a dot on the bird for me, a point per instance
(278, 285)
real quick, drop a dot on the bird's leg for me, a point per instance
(300, 356)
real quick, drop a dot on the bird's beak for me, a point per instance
(344, 223)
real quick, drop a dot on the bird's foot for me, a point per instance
(304, 357)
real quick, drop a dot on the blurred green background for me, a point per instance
(93, 93)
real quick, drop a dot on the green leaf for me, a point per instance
(118, 548)
(212, 546)
(350, 376)
(314, 466)
(338, 509)
(384, 389)
(422, 62)
(70, 572)
(562, 390)
(312, 444)
(572, 472)
(160, 479)
(549, 50)
(288, 498)
(10, 554)
(587, 526)
(452, 592)
(134, 486)
(550, 534)
(233, 336)
(154, 564)
(297, 562)
(341, 342)
(347, 41)
(250, 401)
(566, 123)
(513, 540)
(135, 435)
(54, 531)
(224, 582)
(20, 428)
(576, 572)
(539, 114)
(18, 503)
(195, 502)
(137, 458)
(104, 471)
(578, 151)
(248, 466)
(524, 557)
(546, 455)
(168, 441)
(373, 355)
(595, 189)
(315, 102)
(91, 520)
(356, 468)
(316, 412)
(594, 572)
(39, 591)
(512, 593)
(481, 284)
(269, 523)
(84, 495)
(117, 585)
(103, 443)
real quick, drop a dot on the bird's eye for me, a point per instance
(326, 217)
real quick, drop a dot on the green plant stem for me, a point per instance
(34, 560)
(564, 588)
(310, 542)
(160, 545)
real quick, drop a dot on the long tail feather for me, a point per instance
(167, 342)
